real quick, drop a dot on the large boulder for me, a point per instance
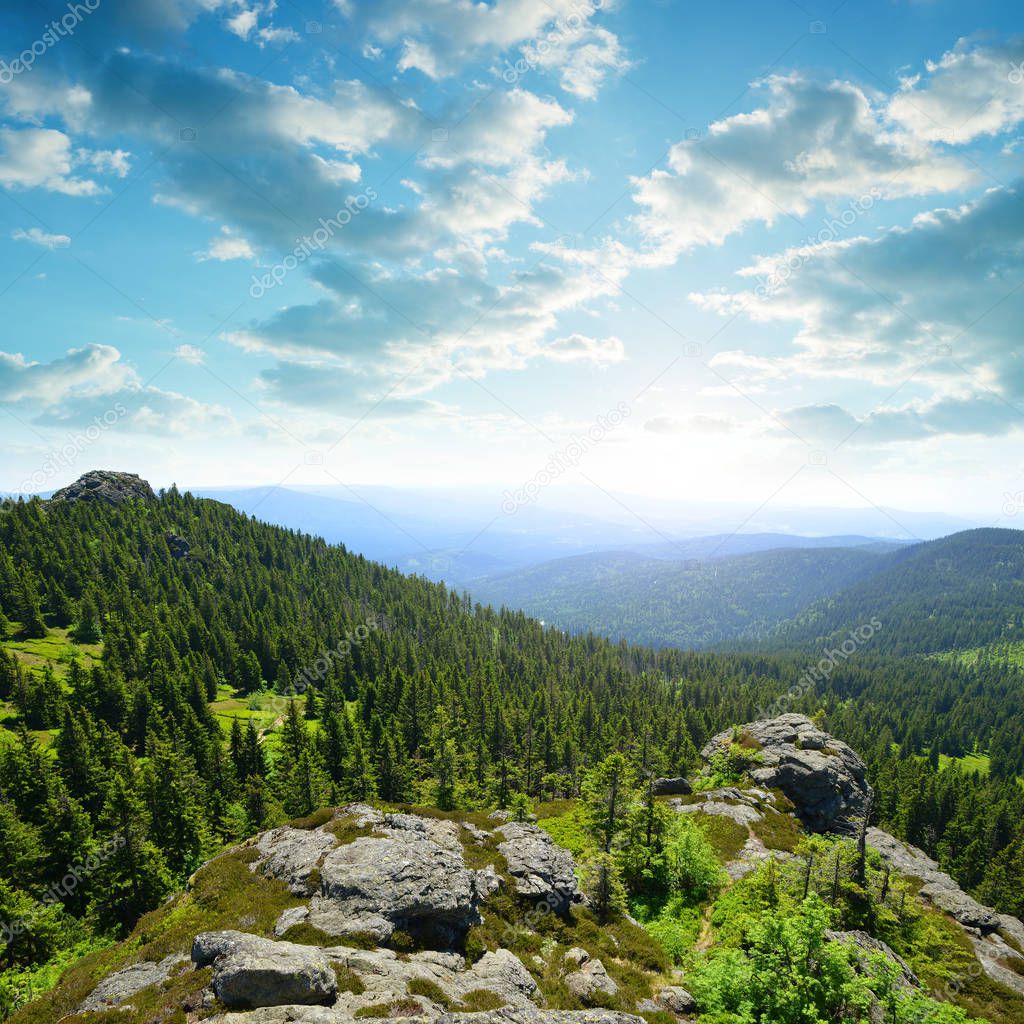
(825, 780)
(677, 786)
(249, 971)
(117, 989)
(106, 486)
(505, 1015)
(540, 870)
(591, 982)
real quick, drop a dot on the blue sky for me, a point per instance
(424, 242)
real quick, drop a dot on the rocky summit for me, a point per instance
(825, 780)
(369, 912)
(106, 486)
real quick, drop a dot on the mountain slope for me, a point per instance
(682, 604)
(959, 592)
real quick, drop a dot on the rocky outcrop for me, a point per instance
(117, 989)
(865, 945)
(406, 872)
(106, 486)
(540, 870)
(178, 546)
(677, 786)
(938, 888)
(676, 1000)
(825, 780)
(986, 930)
(591, 982)
(249, 971)
(320, 1015)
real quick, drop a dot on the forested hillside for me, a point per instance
(962, 591)
(178, 676)
(679, 603)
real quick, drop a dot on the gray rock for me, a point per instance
(105, 486)
(938, 888)
(739, 813)
(118, 988)
(1000, 960)
(503, 973)
(291, 854)
(822, 776)
(678, 786)
(865, 944)
(250, 971)
(540, 870)
(675, 999)
(577, 956)
(506, 1015)
(590, 981)
(414, 882)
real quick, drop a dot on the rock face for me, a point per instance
(117, 989)
(676, 1000)
(541, 870)
(984, 927)
(406, 873)
(938, 888)
(249, 971)
(867, 944)
(677, 786)
(319, 1015)
(821, 775)
(106, 486)
(590, 982)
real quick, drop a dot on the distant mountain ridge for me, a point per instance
(689, 603)
(961, 591)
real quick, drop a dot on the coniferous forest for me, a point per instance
(177, 676)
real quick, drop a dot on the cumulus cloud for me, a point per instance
(809, 141)
(43, 239)
(939, 301)
(970, 91)
(577, 348)
(72, 390)
(41, 158)
(439, 37)
(227, 246)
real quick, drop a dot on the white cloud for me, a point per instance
(582, 58)
(190, 354)
(970, 91)
(577, 348)
(40, 158)
(808, 142)
(227, 246)
(41, 238)
(89, 382)
(938, 303)
(439, 37)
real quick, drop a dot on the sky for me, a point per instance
(749, 252)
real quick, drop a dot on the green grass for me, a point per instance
(569, 831)
(724, 834)
(977, 764)
(224, 894)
